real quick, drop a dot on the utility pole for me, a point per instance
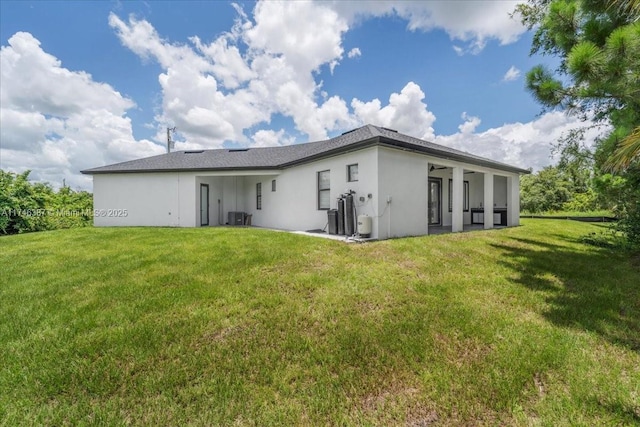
(170, 143)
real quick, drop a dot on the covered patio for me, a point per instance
(465, 198)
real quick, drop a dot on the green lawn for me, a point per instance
(598, 213)
(223, 326)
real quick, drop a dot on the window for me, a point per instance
(273, 185)
(352, 173)
(323, 190)
(259, 196)
(465, 203)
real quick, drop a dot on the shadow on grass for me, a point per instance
(631, 413)
(596, 291)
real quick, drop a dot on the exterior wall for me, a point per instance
(233, 189)
(500, 191)
(294, 204)
(402, 176)
(152, 199)
(173, 198)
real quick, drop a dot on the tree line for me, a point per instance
(33, 206)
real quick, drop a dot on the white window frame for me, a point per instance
(350, 172)
(259, 196)
(321, 190)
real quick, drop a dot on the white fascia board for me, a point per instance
(255, 172)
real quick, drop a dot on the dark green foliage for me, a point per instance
(548, 90)
(630, 223)
(568, 186)
(586, 61)
(27, 206)
(611, 191)
(547, 190)
(598, 44)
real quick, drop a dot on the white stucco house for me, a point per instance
(407, 186)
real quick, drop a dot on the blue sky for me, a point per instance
(91, 83)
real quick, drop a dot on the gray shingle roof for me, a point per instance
(290, 155)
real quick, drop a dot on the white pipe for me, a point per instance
(389, 220)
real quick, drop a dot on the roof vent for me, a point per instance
(236, 150)
(390, 130)
(194, 152)
(349, 131)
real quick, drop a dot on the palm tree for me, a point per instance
(628, 150)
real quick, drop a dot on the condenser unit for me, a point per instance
(236, 218)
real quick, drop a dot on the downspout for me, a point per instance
(389, 218)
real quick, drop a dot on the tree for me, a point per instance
(545, 191)
(599, 49)
(598, 44)
(576, 160)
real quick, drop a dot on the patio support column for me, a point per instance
(457, 196)
(488, 200)
(513, 200)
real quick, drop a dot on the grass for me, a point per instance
(224, 326)
(579, 214)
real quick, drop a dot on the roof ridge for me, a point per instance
(375, 131)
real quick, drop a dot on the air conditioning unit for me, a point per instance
(236, 218)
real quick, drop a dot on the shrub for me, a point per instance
(26, 206)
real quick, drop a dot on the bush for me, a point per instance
(630, 225)
(26, 206)
(582, 202)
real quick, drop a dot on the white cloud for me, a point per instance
(512, 74)
(267, 64)
(56, 121)
(307, 34)
(520, 144)
(471, 22)
(470, 124)
(270, 138)
(213, 92)
(191, 98)
(405, 112)
(228, 66)
(354, 52)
